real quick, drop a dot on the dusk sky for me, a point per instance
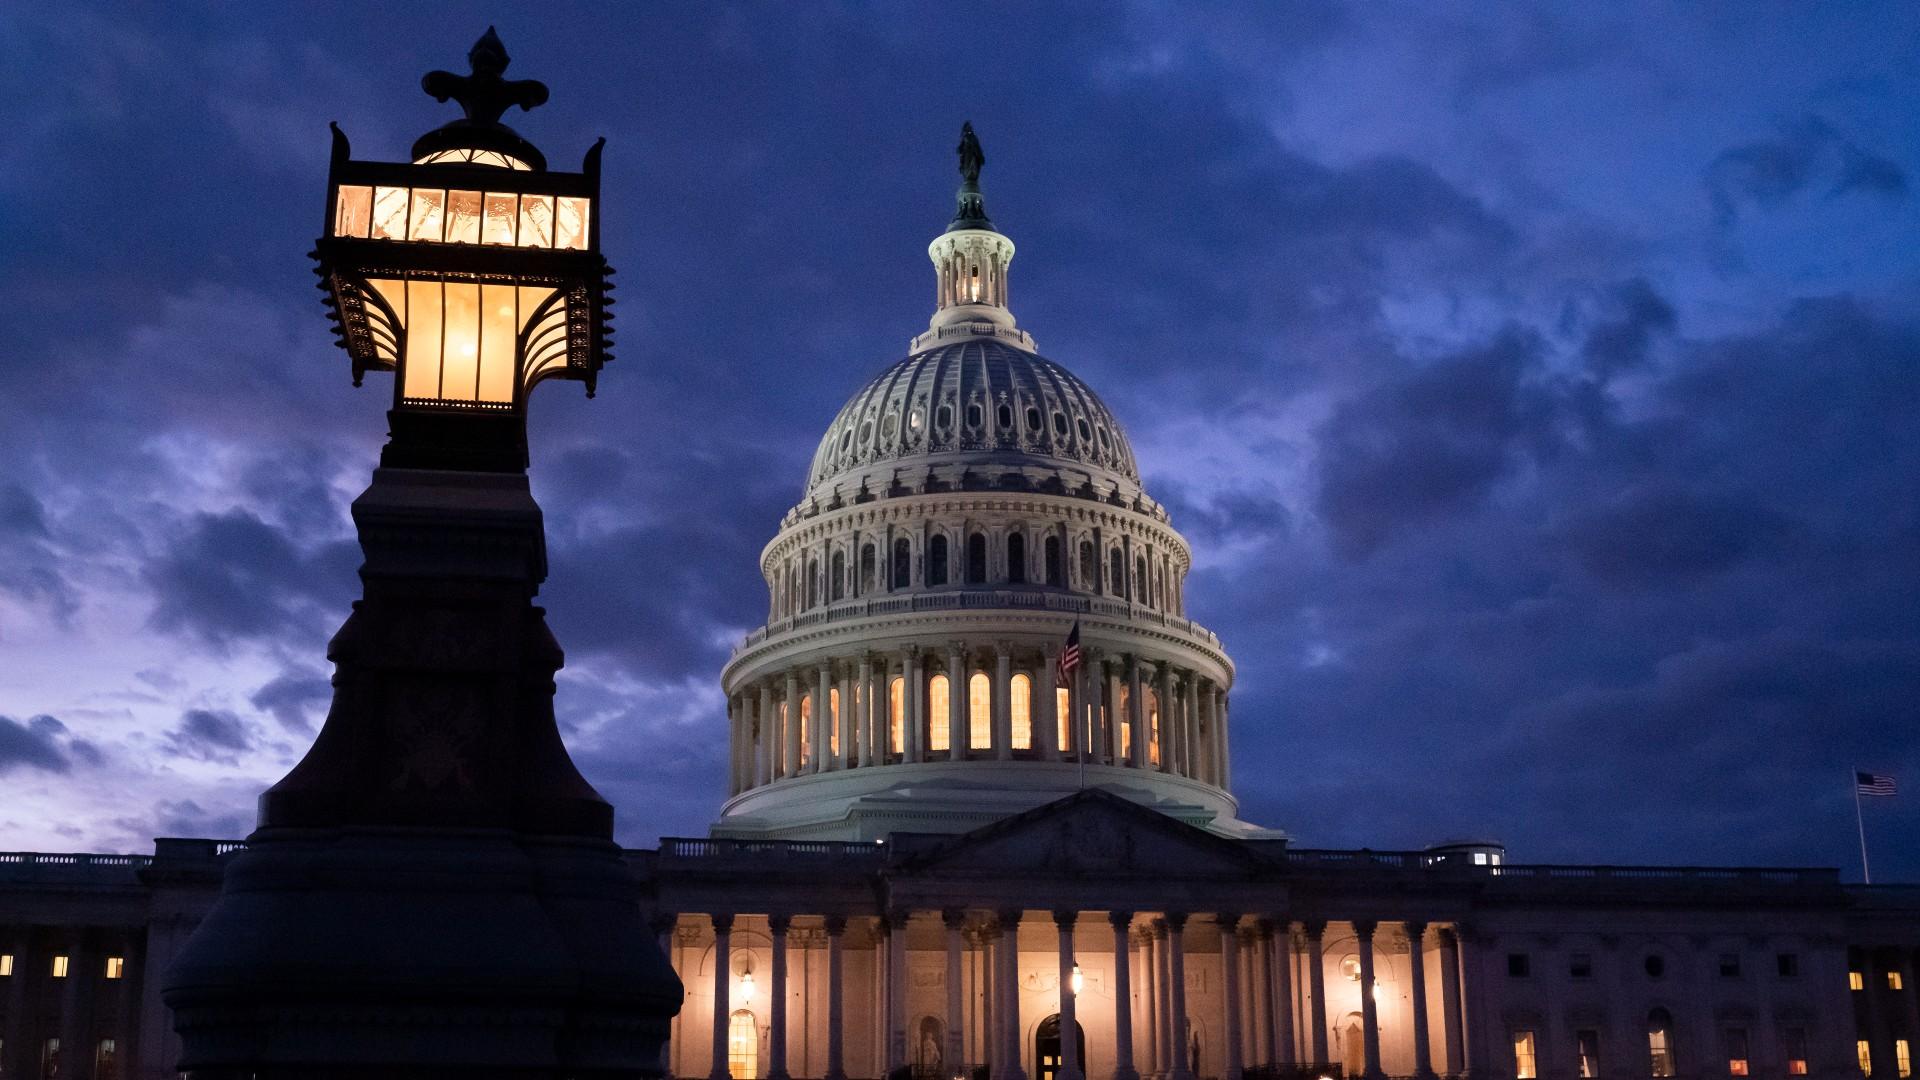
(1538, 385)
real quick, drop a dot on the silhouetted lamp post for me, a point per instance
(434, 889)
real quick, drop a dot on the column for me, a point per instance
(1317, 986)
(1177, 995)
(1169, 714)
(1046, 712)
(1122, 996)
(790, 726)
(820, 760)
(1150, 953)
(1450, 1001)
(914, 704)
(1003, 701)
(1009, 1003)
(777, 925)
(1417, 987)
(1225, 779)
(959, 715)
(768, 736)
(11, 1058)
(845, 724)
(1369, 1010)
(1260, 974)
(722, 980)
(1069, 1026)
(1136, 713)
(1281, 961)
(864, 718)
(1209, 729)
(836, 997)
(897, 988)
(734, 742)
(1190, 731)
(955, 921)
(1230, 991)
(1162, 1001)
(75, 1052)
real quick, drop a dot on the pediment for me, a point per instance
(1091, 834)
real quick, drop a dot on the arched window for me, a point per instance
(980, 712)
(1089, 569)
(867, 569)
(1051, 554)
(833, 721)
(1660, 1043)
(1063, 714)
(1021, 711)
(1117, 574)
(977, 559)
(939, 707)
(1121, 712)
(1153, 727)
(1017, 558)
(902, 564)
(813, 582)
(743, 1046)
(1141, 587)
(896, 716)
(937, 560)
(839, 575)
(806, 728)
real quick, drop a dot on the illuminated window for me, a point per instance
(1736, 1051)
(1021, 709)
(833, 720)
(1659, 1043)
(980, 712)
(1893, 981)
(116, 966)
(1865, 1055)
(6, 964)
(806, 728)
(59, 967)
(1795, 1040)
(743, 1045)
(939, 705)
(1523, 1056)
(1586, 1047)
(1153, 727)
(1063, 713)
(896, 715)
(1902, 1058)
(1856, 981)
(1121, 708)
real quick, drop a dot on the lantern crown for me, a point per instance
(483, 96)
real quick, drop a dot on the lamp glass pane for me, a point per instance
(463, 217)
(502, 212)
(353, 213)
(423, 315)
(536, 221)
(499, 329)
(389, 213)
(428, 214)
(571, 223)
(460, 363)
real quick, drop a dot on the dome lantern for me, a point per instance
(970, 263)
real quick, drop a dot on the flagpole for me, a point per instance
(1866, 870)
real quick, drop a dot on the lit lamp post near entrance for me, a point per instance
(434, 888)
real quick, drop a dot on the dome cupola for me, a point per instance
(970, 263)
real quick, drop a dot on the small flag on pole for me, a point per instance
(1070, 654)
(1866, 783)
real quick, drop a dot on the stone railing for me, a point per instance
(1364, 859)
(680, 847)
(978, 599)
(48, 866)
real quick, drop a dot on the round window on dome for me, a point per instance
(888, 426)
(1033, 418)
(1060, 424)
(1103, 436)
(943, 417)
(846, 440)
(916, 419)
(1004, 415)
(974, 415)
(1086, 433)
(866, 433)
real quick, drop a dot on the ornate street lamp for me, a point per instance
(472, 273)
(434, 890)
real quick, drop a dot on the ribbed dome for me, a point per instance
(980, 402)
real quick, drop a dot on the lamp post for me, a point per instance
(434, 888)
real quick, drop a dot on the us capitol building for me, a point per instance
(938, 855)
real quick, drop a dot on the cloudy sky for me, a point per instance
(1539, 387)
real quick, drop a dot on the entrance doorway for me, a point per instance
(1047, 1048)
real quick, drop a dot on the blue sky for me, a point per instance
(1538, 387)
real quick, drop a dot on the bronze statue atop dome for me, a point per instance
(971, 156)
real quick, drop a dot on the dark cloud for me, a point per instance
(232, 576)
(185, 817)
(210, 735)
(1810, 154)
(294, 698)
(36, 743)
(1651, 536)
(1621, 340)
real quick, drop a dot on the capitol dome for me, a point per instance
(973, 514)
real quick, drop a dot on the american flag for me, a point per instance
(1070, 654)
(1867, 783)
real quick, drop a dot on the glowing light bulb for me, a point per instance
(1078, 982)
(746, 988)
